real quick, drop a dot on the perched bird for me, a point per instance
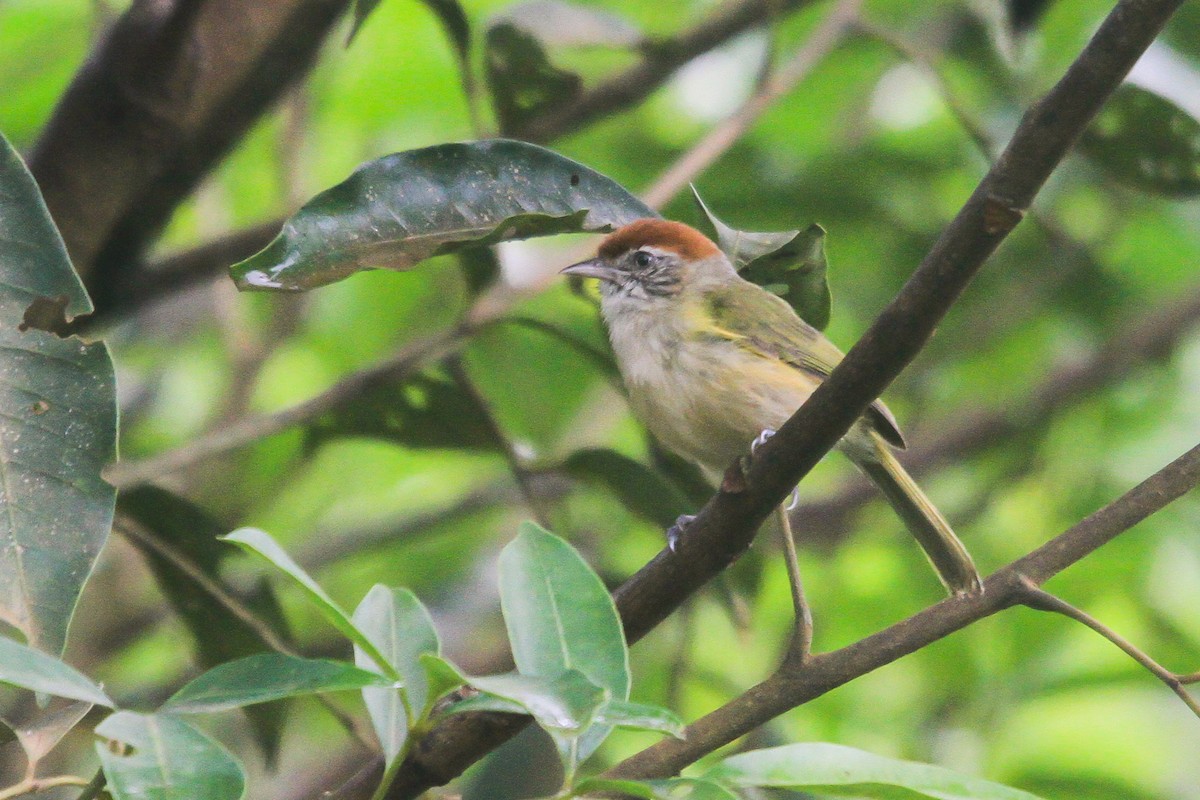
(711, 360)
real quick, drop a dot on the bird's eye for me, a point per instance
(642, 259)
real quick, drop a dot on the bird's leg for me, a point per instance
(801, 645)
(676, 531)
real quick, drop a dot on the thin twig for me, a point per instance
(800, 646)
(125, 474)
(716, 142)
(35, 785)
(1031, 595)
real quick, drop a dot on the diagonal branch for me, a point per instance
(726, 525)
(789, 688)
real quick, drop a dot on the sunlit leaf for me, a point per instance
(265, 677)
(362, 10)
(1147, 141)
(162, 757)
(560, 617)
(219, 635)
(260, 543)
(790, 264)
(402, 630)
(623, 714)
(32, 669)
(566, 703)
(640, 489)
(59, 425)
(401, 209)
(831, 769)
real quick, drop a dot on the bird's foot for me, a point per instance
(793, 499)
(761, 439)
(676, 531)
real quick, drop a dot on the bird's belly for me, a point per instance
(708, 401)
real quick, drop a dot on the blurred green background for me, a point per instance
(1071, 337)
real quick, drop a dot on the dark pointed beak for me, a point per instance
(593, 268)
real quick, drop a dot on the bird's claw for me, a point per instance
(761, 439)
(676, 531)
(793, 499)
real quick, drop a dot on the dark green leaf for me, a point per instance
(400, 626)
(790, 264)
(1147, 141)
(560, 617)
(32, 669)
(264, 677)
(642, 490)
(161, 757)
(454, 20)
(480, 268)
(832, 769)
(564, 704)
(219, 635)
(401, 209)
(261, 544)
(623, 714)
(60, 421)
(426, 410)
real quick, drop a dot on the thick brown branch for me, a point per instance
(726, 525)
(789, 688)
(168, 91)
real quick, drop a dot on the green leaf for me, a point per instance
(1146, 141)
(219, 636)
(608, 787)
(32, 669)
(60, 421)
(560, 617)
(362, 10)
(401, 209)
(260, 543)
(38, 729)
(564, 704)
(426, 410)
(672, 789)
(265, 677)
(441, 677)
(642, 490)
(401, 628)
(162, 757)
(832, 769)
(623, 714)
(790, 264)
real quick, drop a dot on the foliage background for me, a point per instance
(866, 146)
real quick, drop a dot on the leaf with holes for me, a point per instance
(790, 264)
(59, 425)
(161, 757)
(1145, 140)
(401, 209)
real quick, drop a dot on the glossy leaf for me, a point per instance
(640, 489)
(623, 714)
(401, 209)
(790, 264)
(265, 677)
(28, 668)
(260, 543)
(831, 769)
(162, 757)
(402, 630)
(564, 704)
(1147, 141)
(219, 635)
(59, 425)
(560, 617)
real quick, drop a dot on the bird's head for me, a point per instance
(651, 260)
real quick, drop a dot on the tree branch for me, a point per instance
(726, 525)
(788, 688)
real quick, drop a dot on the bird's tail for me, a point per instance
(927, 525)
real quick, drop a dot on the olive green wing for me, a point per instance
(763, 323)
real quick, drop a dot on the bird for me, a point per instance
(711, 361)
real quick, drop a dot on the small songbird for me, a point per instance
(711, 361)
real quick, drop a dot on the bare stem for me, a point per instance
(802, 634)
(35, 785)
(1037, 598)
